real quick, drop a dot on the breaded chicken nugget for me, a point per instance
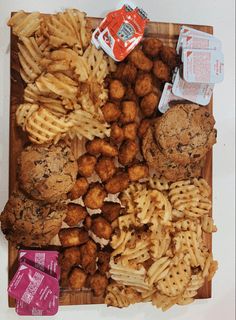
(111, 112)
(64, 281)
(117, 133)
(75, 214)
(103, 261)
(98, 283)
(100, 146)
(149, 103)
(88, 256)
(88, 222)
(152, 46)
(86, 164)
(73, 236)
(142, 62)
(127, 152)
(95, 196)
(69, 258)
(138, 171)
(79, 189)
(143, 84)
(169, 56)
(126, 72)
(77, 278)
(101, 228)
(130, 131)
(130, 94)
(128, 111)
(118, 183)
(116, 90)
(161, 71)
(144, 125)
(111, 210)
(105, 168)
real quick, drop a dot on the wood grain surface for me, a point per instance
(168, 33)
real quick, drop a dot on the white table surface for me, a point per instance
(220, 14)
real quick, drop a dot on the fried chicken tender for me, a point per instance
(73, 236)
(127, 152)
(111, 210)
(95, 196)
(116, 90)
(149, 103)
(101, 228)
(126, 72)
(103, 261)
(88, 256)
(138, 171)
(111, 112)
(86, 164)
(69, 258)
(152, 46)
(130, 131)
(161, 71)
(144, 125)
(98, 283)
(169, 56)
(143, 84)
(77, 278)
(79, 189)
(105, 168)
(128, 111)
(118, 183)
(100, 146)
(75, 214)
(117, 133)
(142, 62)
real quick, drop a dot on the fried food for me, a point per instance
(88, 256)
(138, 58)
(126, 72)
(79, 189)
(101, 228)
(103, 261)
(144, 125)
(77, 278)
(130, 131)
(161, 71)
(168, 55)
(117, 133)
(100, 146)
(130, 94)
(88, 222)
(152, 46)
(105, 168)
(86, 164)
(128, 111)
(143, 84)
(69, 258)
(149, 103)
(116, 90)
(111, 210)
(118, 183)
(73, 236)
(138, 171)
(75, 214)
(95, 196)
(127, 152)
(111, 112)
(98, 283)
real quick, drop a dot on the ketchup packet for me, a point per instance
(33, 287)
(167, 97)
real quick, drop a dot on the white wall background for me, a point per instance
(220, 14)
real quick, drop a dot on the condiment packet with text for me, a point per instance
(167, 97)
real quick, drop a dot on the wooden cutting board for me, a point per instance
(168, 33)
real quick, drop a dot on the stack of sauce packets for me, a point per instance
(202, 68)
(35, 285)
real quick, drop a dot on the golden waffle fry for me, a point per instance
(203, 187)
(160, 240)
(121, 296)
(186, 225)
(23, 112)
(24, 24)
(195, 283)
(208, 224)
(158, 270)
(162, 301)
(160, 184)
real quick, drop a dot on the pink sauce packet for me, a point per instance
(167, 97)
(33, 287)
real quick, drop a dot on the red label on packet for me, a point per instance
(167, 97)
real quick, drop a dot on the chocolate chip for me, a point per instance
(207, 114)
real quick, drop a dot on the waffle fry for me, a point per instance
(23, 112)
(158, 270)
(160, 184)
(24, 24)
(121, 296)
(208, 224)
(162, 301)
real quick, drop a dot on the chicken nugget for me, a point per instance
(73, 236)
(142, 62)
(149, 103)
(130, 131)
(77, 278)
(143, 84)
(152, 46)
(144, 125)
(86, 164)
(169, 56)
(105, 168)
(118, 183)
(111, 112)
(103, 261)
(100, 146)
(69, 258)
(128, 111)
(88, 256)
(138, 171)
(116, 90)
(127, 152)
(98, 283)
(130, 95)
(111, 210)
(75, 214)
(101, 228)
(64, 278)
(117, 134)
(95, 196)
(79, 189)
(88, 222)
(126, 72)
(161, 71)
